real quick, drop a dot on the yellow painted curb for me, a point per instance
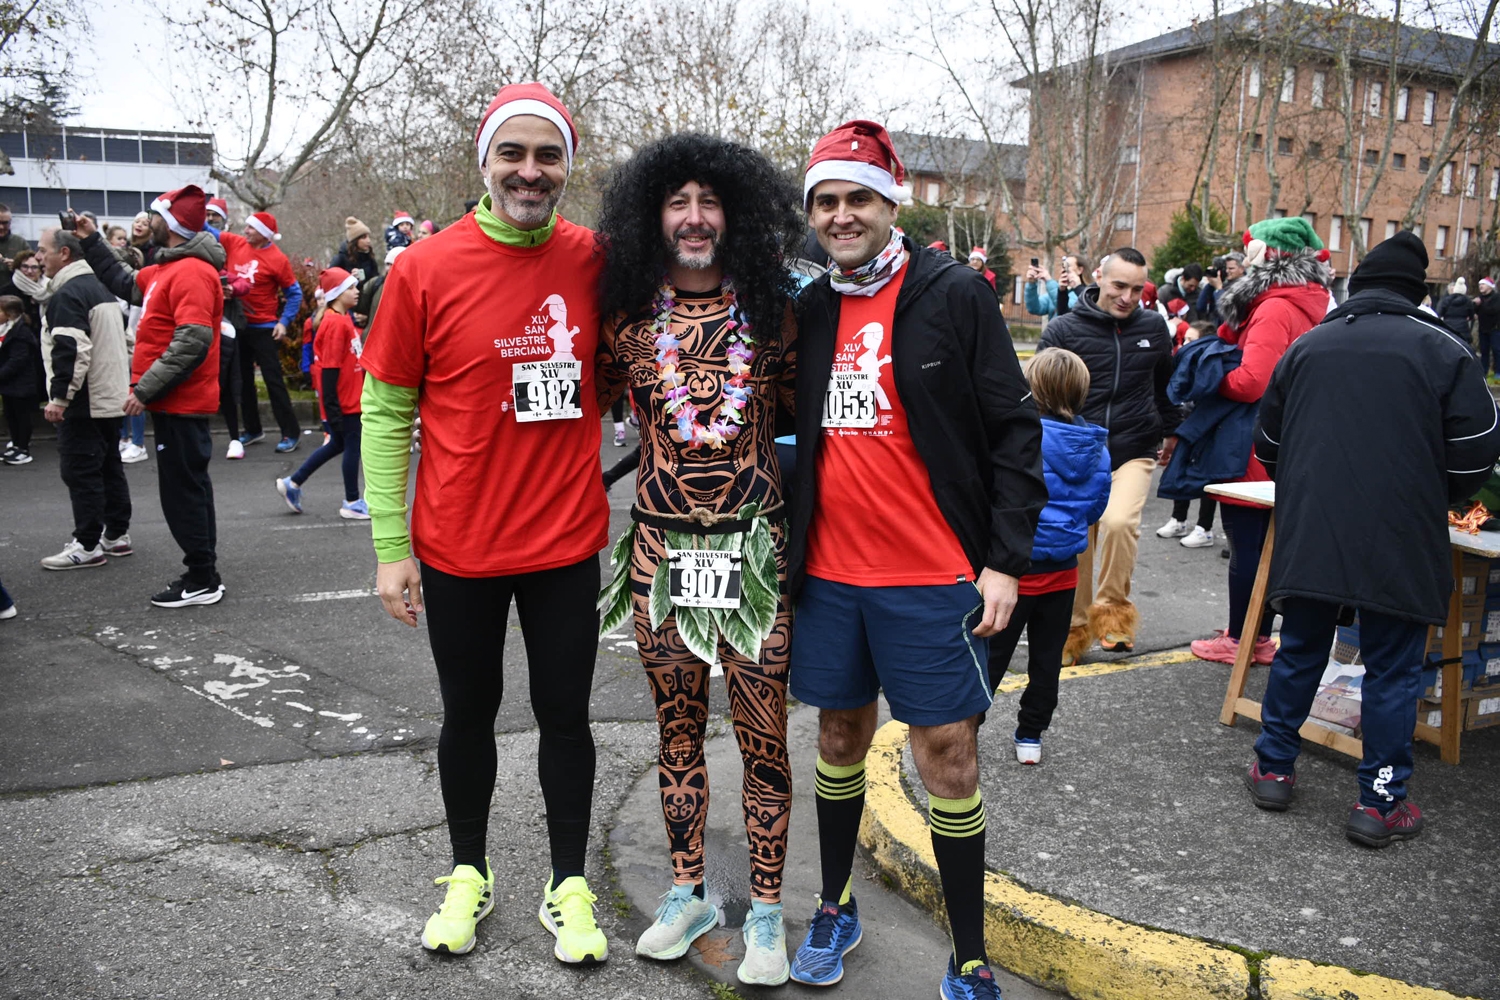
(1063, 946)
(1288, 978)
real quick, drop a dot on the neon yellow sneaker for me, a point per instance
(471, 897)
(568, 912)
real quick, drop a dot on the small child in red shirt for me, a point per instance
(341, 380)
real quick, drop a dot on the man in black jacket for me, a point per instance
(919, 484)
(1383, 415)
(1129, 354)
(1487, 309)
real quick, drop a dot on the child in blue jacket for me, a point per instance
(1075, 463)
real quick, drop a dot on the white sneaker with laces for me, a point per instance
(236, 450)
(75, 556)
(1027, 751)
(1172, 529)
(134, 453)
(1198, 538)
(765, 961)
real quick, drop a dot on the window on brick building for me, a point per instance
(1254, 86)
(1416, 230)
(1398, 161)
(1429, 107)
(1335, 233)
(1018, 291)
(1124, 221)
(1495, 184)
(1278, 213)
(1403, 104)
(1364, 231)
(1442, 241)
(1312, 219)
(1391, 228)
(934, 192)
(1289, 85)
(1257, 141)
(1315, 150)
(1374, 98)
(1465, 237)
(1130, 154)
(1471, 181)
(1448, 177)
(1284, 146)
(1424, 163)
(1372, 157)
(1319, 87)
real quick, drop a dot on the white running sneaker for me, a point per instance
(124, 443)
(765, 961)
(680, 920)
(134, 453)
(1172, 529)
(75, 556)
(1028, 751)
(1198, 538)
(236, 450)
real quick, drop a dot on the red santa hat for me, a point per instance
(978, 252)
(183, 209)
(403, 217)
(1177, 307)
(219, 205)
(938, 245)
(1487, 283)
(335, 282)
(265, 224)
(860, 152)
(517, 99)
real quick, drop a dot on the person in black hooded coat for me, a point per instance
(1374, 422)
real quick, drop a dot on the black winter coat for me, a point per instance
(967, 404)
(1455, 311)
(1374, 422)
(1130, 364)
(22, 374)
(1488, 312)
(352, 262)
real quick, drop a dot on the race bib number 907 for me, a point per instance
(850, 400)
(698, 578)
(548, 390)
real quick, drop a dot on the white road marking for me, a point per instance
(332, 595)
(349, 717)
(259, 720)
(312, 527)
(297, 704)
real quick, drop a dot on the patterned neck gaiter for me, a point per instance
(873, 275)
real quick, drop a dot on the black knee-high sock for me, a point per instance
(841, 803)
(958, 843)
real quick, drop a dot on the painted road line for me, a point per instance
(309, 527)
(1066, 947)
(331, 595)
(1017, 682)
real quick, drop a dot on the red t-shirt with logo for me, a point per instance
(268, 271)
(877, 523)
(498, 494)
(337, 345)
(181, 293)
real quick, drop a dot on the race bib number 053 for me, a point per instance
(698, 578)
(548, 390)
(850, 400)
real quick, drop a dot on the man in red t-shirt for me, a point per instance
(175, 373)
(270, 306)
(919, 484)
(492, 326)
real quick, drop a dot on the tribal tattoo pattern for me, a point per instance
(675, 478)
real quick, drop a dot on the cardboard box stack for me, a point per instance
(1479, 586)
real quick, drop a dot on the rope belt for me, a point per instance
(702, 521)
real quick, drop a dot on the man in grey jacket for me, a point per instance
(87, 356)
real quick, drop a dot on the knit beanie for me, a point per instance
(354, 229)
(1273, 236)
(1398, 264)
(1459, 286)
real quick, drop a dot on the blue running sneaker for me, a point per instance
(286, 444)
(355, 510)
(977, 982)
(252, 438)
(291, 493)
(834, 933)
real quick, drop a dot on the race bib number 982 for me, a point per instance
(850, 400)
(548, 390)
(701, 578)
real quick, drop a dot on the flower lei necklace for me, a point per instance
(725, 424)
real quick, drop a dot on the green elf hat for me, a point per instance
(1287, 236)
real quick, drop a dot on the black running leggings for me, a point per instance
(1046, 619)
(1206, 507)
(466, 624)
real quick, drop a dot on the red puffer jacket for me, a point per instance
(1280, 301)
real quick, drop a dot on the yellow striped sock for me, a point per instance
(839, 782)
(956, 817)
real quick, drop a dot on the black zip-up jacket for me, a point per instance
(351, 262)
(1130, 364)
(967, 405)
(21, 371)
(1374, 421)
(1488, 311)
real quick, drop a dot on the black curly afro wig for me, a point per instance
(762, 214)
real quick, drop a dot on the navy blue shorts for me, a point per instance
(917, 644)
